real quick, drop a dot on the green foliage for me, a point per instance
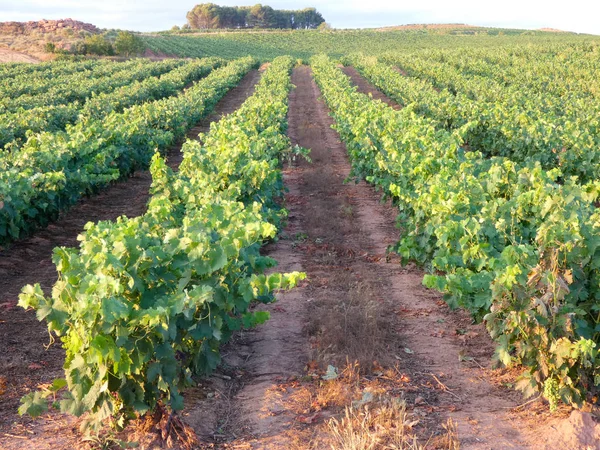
(36, 403)
(544, 118)
(303, 44)
(97, 44)
(128, 44)
(145, 303)
(50, 102)
(492, 163)
(49, 47)
(211, 16)
(504, 240)
(53, 170)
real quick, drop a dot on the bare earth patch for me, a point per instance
(9, 56)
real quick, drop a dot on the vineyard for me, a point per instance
(304, 44)
(296, 236)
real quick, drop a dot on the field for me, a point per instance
(341, 239)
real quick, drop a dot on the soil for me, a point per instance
(351, 218)
(9, 56)
(579, 431)
(25, 363)
(365, 87)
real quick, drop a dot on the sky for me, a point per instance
(153, 15)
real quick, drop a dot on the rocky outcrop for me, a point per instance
(46, 26)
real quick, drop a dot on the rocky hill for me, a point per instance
(46, 26)
(30, 38)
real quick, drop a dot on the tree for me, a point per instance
(308, 18)
(78, 48)
(97, 45)
(205, 15)
(261, 16)
(283, 19)
(209, 15)
(128, 44)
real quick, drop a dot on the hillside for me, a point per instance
(30, 37)
(431, 26)
(461, 28)
(302, 44)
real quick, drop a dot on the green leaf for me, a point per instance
(33, 404)
(153, 371)
(58, 384)
(114, 309)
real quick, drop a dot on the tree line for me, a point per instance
(209, 15)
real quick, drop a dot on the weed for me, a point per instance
(385, 426)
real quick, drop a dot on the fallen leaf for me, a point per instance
(2, 385)
(308, 419)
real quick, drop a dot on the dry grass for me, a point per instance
(448, 440)
(161, 429)
(385, 426)
(335, 394)
(355, 411)
(351, 328)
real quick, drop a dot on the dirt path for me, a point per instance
(448, 346)
(338, 233)
(24, 362)
(365, 88)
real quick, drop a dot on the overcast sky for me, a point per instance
(153, 15)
